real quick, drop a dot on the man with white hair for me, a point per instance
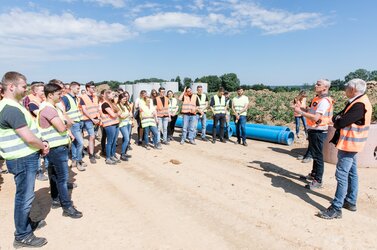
(352, 125)
(318, 118)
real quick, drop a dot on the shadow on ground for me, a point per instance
(282, 178)
(293, 152)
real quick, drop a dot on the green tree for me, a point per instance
(373, 75)
(359, 73)
(180, 86)
(230, 81)
(337, 85)
(260, 86)
(187, 81)
(213, 81)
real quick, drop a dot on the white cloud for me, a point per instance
(114, 3)
(231, 16)
(169, 20)
(277, 21)
(42, 31)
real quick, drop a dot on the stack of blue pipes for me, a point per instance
(277, 134)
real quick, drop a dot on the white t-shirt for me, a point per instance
(323, 105)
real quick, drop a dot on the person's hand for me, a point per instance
(95, 121)
(297, 109)
(46, 148)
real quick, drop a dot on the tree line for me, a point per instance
(230, 82)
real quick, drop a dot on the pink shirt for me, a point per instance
(46, 115)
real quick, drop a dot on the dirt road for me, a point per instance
(221, 196)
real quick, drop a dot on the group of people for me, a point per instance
(50, 123)
(352, 126)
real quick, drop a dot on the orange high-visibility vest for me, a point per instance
(353, 137)
(189, 105)
(90, 106)
(326, 117)
(107, 120)
(162, 108)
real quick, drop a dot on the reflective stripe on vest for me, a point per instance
(146, 117)
(325, 118)
(219, 107)
(353, 138)
(162, 108)
(91, 107)
(74, 112)
(239, 103)
(51, 134)
(107, 120)
(12, 146)
(173, 103)
(189, 104)
(202, 101)
(125, 121)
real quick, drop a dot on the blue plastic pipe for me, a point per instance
(281, 136)
(276, 134)
(209, 127)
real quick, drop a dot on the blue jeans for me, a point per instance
(203, 122)
(58, 174)
(89, 127)
(163, 127)
(297, 122)
(24, 170)
(111, 140)
(241, 128)
(154, 131)
(189, 125)
(126, 138)
(316, 139)
(346, 176)
(78, 143)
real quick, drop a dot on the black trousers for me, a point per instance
(171, 125)
(218, 118)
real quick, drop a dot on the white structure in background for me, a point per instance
(128, 88)
(194, 85)
(148, 86)
(173, 86)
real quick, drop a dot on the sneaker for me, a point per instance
(124, 157)
(330, 213)
(165, 143)
(244, 143)
(72, 212)
(204, 139)
(300, 157)
(309, 177)
(306, 160)
(114, 158)
(349, 206)
(193, 142)
(147, 147)
(80, 167)
(158, 146)
(83, 164)
(103, 154)
(223, 140)
(97, 157)
(92, 160)
(30, 241)
(55, 204)
(213, 141)
(314, 185)
(110, 162)
(41, 176)
(182, 142)
(36, 225)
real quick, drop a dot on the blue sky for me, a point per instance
(272, 42)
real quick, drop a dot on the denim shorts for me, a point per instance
(89, 127)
